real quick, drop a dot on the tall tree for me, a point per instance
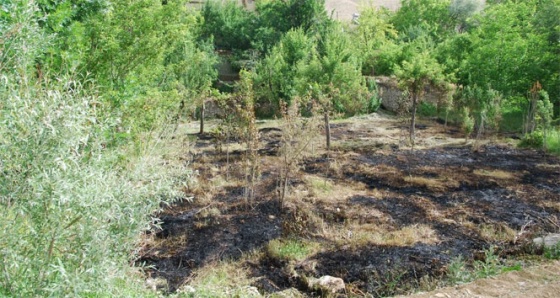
(415, 74)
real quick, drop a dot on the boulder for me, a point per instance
(157, 284)
(547, 241)
(326, 284)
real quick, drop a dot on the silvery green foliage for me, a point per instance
(71, 207)
(462, 9)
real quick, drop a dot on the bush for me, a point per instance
(532, 140)
(427, 109)
(74, 205)
(374, 99)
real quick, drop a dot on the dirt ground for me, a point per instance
(384, 218)
(535, 282)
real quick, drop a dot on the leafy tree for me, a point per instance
(415, 74)
(544, 115)
(228, 24)
(483, 106)
(509, 54)
(372, 36)
(276, 74)
(335, 71)
(462, 10)
(416, 18)
(191, 70)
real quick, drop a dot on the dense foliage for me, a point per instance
(85, 82)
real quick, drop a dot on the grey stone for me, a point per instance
(327, 283)
(157, 284)
(547, 241)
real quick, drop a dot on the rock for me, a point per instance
(288, 293)
(252, 292)
(327, 284)
(157, 284)
(187, 289)
(547, 241)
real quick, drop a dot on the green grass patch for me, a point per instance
(553, 142)
(320, 185)
(291, 249)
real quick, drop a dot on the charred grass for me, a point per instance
(385, 219)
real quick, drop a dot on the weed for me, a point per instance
(427, 109)
(458, 271)
(359, 235)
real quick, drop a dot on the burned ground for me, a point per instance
(388, 219)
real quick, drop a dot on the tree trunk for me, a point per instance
(413, 119)
(202, 110)
(328, 131)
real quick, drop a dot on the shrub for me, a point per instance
(532, 140)
(427, 109)
(74, 205)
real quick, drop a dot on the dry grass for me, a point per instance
(550, 204)
(162, 247)
(224, 279)
(320, 189)
(497, 174)
(359, 235)
(432, 184)
(497, 232)
(546, 166)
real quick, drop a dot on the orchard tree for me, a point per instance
(415, 74)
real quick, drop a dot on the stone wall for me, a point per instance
(392, 97)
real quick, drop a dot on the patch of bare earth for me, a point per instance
(385, 219)
(535, 282)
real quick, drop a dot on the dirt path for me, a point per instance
(534, 282)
